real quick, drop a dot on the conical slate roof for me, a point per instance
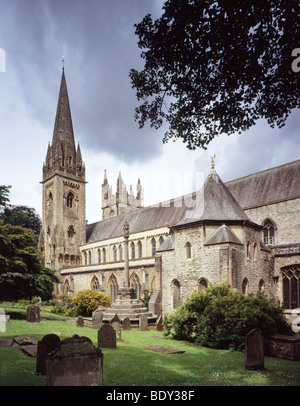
(214, 202)
(223, 235)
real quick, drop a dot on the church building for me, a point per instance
(245, 231)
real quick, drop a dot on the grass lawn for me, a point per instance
(133, 365)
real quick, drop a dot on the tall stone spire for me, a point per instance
(62, 153)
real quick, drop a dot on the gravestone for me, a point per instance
(76, 362)
(159, 324)
(254, 350)
(107, 337)
(33, 314)
(48, 344)
(126, 324)
(115, 318)
(143, 322)
(79, 321)
(97, 319)
(117, 327)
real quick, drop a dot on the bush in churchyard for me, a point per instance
(220, 317)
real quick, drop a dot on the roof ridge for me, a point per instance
(262, 171)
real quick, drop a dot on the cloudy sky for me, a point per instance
(98, 41)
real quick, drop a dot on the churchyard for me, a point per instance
(140, 358)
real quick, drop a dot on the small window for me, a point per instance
(120, 252)
(188, 250)
(70, 199)
(99, 256)
(71, 232)
(95, 283)
(245, 287)
(153, 244)
(140, 249)
(115, 253)
(161, 240)
(104, 255)
(132, 250)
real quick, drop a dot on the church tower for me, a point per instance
(64, 225)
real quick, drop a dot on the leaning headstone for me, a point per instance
(48, 344)
(33, 314)
(159, 324)
(117, 327)
(107, 337)
(254, 350)
(76, 362)
(143, 322)
(115, 318)
(126, 324)
(79, 321)
(97, 319)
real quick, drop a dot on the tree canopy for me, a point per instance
(22, 274)
(214, 67)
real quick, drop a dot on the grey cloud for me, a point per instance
(98, 41)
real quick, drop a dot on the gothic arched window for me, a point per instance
(95, 283)
(268, 232)
(140, 249)
(153, 245)
(115, 253)
(71, 232)
(188, 250)
(132, 250)
(136, 286)
(70, 199)
(120, 252)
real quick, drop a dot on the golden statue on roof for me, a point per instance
(213, 159)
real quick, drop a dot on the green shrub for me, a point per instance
(85, 302)
(220, 317)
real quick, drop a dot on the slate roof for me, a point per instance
(139, 220)
(270, 186)
(222, 235)
(215, 202)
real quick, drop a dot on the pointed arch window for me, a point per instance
(245, 287)
(161, 240)
(95, 283)
(104, 255)
(268, 232)
(115, 253)
(99, 256)
(70, 199)
(136, 286)
(71, 232)
(291, 286)
(140, 249)
(132, 246)
(153, 246)
(120, 252)
(114, 288)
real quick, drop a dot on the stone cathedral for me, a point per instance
(245, 231)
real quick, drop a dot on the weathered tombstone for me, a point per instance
(79, 321)
(159, 324)
(126, 324)
(33, 314)
(76, 362)
(254, 350)
(117, 327)
(48, 344)
(115, 318)
(107, 337)
(143, 322)
(97, 319)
